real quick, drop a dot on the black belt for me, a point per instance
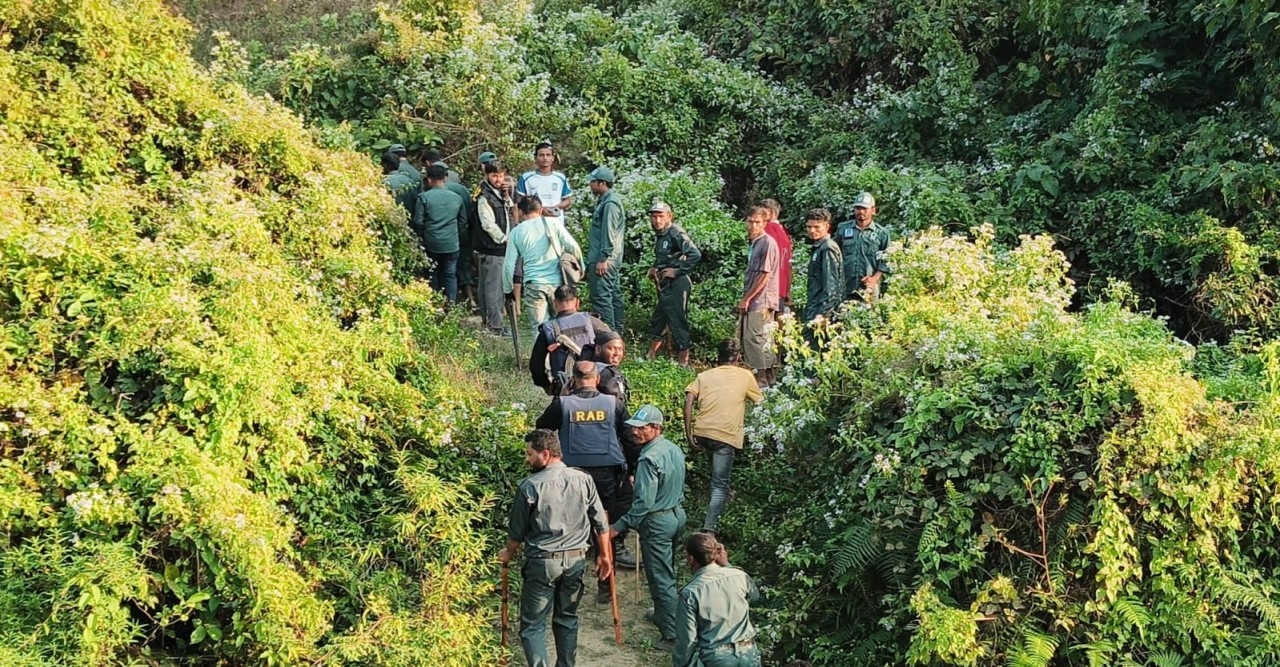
(571, 553)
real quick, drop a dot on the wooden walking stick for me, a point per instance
(613, 587)
(515, 329)
(505, 593)
(639, 559)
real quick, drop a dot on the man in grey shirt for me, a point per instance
(760, 298)
(556, 510)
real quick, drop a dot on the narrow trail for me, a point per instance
(596, 646)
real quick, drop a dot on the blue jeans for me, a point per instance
(444, 275)
(722, 455)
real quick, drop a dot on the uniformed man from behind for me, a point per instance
(826, 272)
(674, 256)
(604, 249)
(594, 440)
(399, 183)
(407, 167)
(563, 340)
(466, 247)
(657, 513)
(714, 622)
(864, 244)
(555, 513)
(437, 218)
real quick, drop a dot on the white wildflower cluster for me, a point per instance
(98, 505)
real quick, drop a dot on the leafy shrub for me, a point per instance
(976, 475)
(226, 435)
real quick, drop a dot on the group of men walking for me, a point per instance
(513, 231)
(599, 470)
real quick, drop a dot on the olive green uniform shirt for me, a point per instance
(864, 252)
(556, 509)
(659, 482)
(414, 175)
(608, 226)
(437, 218)
(673, 249)
(713, 611)
(403, 190)
(826, 279)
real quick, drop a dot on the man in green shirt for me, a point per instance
(466, 250)
(437, 218)
(674, 256)
(826, 271)
(399, 183)
(714, 628)
(656, 513)
(604, 249)
(555, 513)
(864, 244)
(407, 167)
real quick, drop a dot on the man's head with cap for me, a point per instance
(487, 157)
(659, 215)
(864, 208)
(610, 347)
(600, 179)
(646, 424)
(398, 149)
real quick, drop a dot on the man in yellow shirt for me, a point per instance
(721, 394)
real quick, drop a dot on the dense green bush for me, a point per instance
(975, 475)
(227, 433)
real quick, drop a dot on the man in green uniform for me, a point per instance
(399, 183)
(864, 244)
(656, 513)
(407, 167)
(438, 217)
(674, 256)
(555, 513)
(604, 249)
(714, 628)
(466, 252)
(826, 271)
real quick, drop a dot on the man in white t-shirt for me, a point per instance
(546, 184)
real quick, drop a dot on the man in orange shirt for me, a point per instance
(721, 394)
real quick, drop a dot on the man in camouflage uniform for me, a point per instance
(674, 257)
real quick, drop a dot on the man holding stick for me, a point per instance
(555, 513)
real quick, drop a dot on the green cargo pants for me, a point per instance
(731, 656)
(606, 296)
(672, 311)
(659, 541)
(552, 585)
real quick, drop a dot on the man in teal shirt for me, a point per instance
(531, 241)
(714, 623)
(466, 249)
(864, 244)
(407, 167)
(604, 249)
(656, 513)
(399, 183)
(437, 218)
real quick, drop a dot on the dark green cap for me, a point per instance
(601, 174)
(398, 149)
(487, 157)
(659, 206)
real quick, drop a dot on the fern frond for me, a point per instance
(1133, 613)
(1165, 659)
(1036, 650)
